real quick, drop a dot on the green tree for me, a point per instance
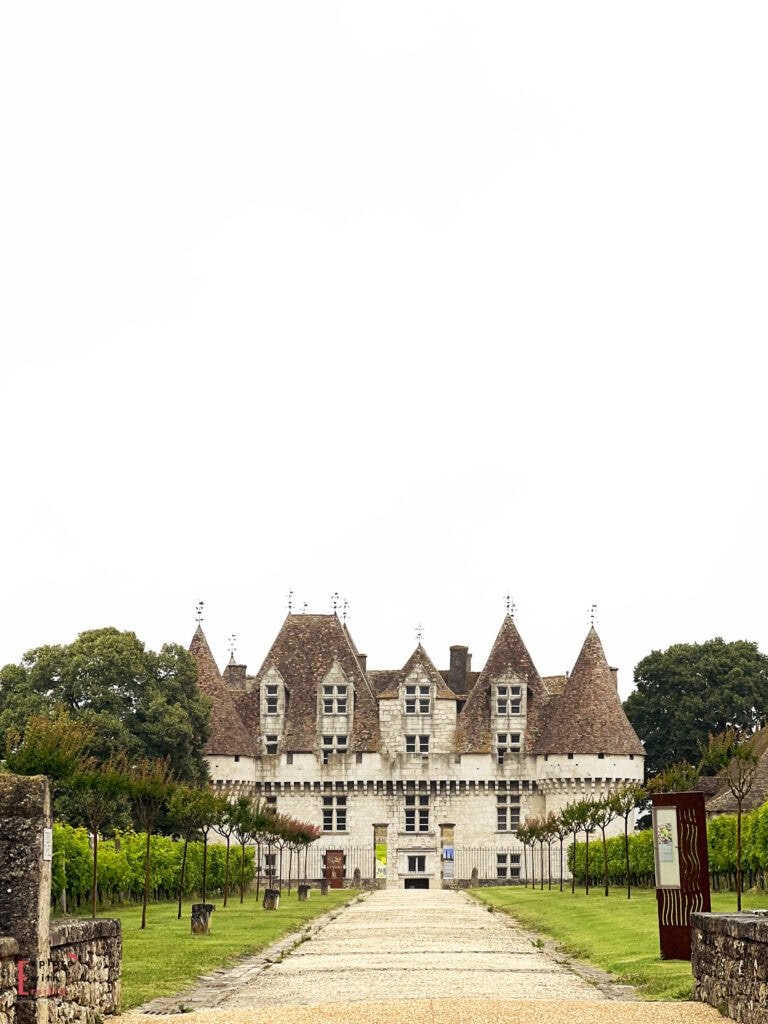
(140, 702)
(624, 801)
(691, 690)
(150, 790)
(52, 745)
(603, 813)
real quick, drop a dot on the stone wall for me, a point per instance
(9, 949)
(85, 962)
(729, 959)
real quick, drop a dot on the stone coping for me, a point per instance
(70, 931)
(750, 925)
(9, 947)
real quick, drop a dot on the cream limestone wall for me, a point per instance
(272, 725)
(335, 725)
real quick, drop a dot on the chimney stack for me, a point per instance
(363, 659)
(461, 661)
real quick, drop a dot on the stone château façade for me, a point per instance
(405, 769)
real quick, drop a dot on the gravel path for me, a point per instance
(430, 955)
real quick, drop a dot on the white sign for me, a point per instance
(47, 844)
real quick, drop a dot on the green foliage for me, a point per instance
(146, 704)
(691, 690)
(120, 876)
(50, 745)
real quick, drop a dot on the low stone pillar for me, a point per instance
(271, 899)
(324, 887)
(303, 893)
(729, 959)
(201, 918)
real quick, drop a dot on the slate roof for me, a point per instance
(588, 717)
(419, 657)
(508, 656)
(228, 734)
(303, 653)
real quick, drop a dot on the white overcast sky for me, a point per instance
(417, 302)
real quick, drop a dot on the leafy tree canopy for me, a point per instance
(691, 690)
(144, 703)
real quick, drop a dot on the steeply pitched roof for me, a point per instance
(509, 656)
(303, 653)
(228, 734)
(588, 717)
(419, 657)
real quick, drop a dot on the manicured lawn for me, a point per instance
(614, 933)
(166, 957)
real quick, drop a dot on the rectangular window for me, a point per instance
(423, 744)
(270, 864)
(410, 700)
(506, 743)
(507, 812)
(270, 744)
(272, 700)
(509, 700)
(417, 864)
(333, 745)
(334, 814)
(410, 744)
(507, 865)
(424, 701)
(334, 700)
(417, 812)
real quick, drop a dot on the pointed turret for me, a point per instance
(588, 717)
(509, 659)
(422, 659)
(229, 737)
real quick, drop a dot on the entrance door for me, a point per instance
(334, 868)
(416, 883)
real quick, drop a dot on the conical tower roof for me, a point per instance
(228, 734)
(509, 657)
(588, 718)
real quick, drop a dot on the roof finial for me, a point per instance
(592, 615)
(510, 606)
(199, 612)
(232, 645)
(335, 600)
(290, 601)
(304, 608)
(344, 610)
(419, 633)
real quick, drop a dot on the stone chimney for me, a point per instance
(234, 675)
(461, 662)
(615, 674)
(363, 659)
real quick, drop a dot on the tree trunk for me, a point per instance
(95, 868)
(242, 871)
(586, 867)
(573, 873)
(226, 871)
(626, 855)
(205, 864)
(258, 868)
(145, 897)
(182, 873)
(525, 865)
(561, 863)
(605, 862)
(290, 865)
(542, 867)
(738, 855)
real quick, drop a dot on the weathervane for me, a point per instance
(199, 612)
(419, 633)
(335, 600)
(232, 645)
(510, 605)
(344, 610)
(290, 601)
(304, 608)
(592, 615)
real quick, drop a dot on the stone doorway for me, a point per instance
(416, 883)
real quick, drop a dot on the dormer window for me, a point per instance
(271, 699)
(506, 743)
(509, 700)
(417, 697)
(270, 744)
(334, 700)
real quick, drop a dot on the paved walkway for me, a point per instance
(429, 955)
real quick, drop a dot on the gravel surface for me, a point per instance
(424, 955)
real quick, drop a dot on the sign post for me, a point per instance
(682, 868)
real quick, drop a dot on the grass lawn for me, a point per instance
(166, 957)
(614, 933)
